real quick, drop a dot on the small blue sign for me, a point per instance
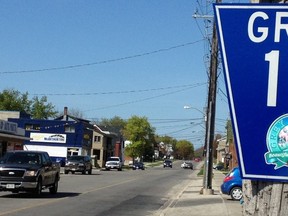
(254, 48)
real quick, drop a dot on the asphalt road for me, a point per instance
(103, 193)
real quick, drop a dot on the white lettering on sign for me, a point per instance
(273, 56)
(264, 31)
(273, 59)
(279, 25)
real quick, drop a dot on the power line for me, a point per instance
(166, 121)
(104, 61)
(140, 100)
(118, 92)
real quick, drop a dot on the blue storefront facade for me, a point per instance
(61, 137)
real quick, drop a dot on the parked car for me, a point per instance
(78, 163)
(138, 165)
(232, 184)
(61, 161)
(167, 163)
(218, 167)
(187, 165)
(113, 163)
(130, 164)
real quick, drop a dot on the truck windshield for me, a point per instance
(21, 158)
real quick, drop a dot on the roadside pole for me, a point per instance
(211, 112)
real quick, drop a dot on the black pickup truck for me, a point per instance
(29, 171)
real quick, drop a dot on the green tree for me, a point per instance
(134, 149)
(41, 109)
(12, 100)
(185, 149)
(141, 135)
(115, 124)
(167, 140)
(38, 108)
(229, 130)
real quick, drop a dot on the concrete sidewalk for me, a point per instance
(190, 202)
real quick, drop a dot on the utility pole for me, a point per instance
(211, 112)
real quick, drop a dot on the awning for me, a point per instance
(14, 136)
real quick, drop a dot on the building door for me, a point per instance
(3, 148)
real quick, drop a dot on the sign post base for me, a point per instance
(207, 191)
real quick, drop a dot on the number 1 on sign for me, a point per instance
(273, 59)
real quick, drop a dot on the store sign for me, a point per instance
(254, 46)
(47, 137)
(8, 127)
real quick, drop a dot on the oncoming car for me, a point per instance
(167, 163)
(138, 166)
(113, 163)
(78, 163)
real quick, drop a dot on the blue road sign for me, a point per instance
(254, 47)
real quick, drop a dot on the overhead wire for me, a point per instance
(103, 61)
(140, 100)
(117, 92)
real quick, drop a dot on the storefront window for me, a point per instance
(34, 127)
(69, 129)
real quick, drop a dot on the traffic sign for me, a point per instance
(254, 48)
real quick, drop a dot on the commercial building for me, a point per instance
(11, 136)
(61, 137)
(106, 144)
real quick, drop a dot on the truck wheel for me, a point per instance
(54, 188)
(38, 189)
(90, 171)
(120, 169)
(66, 171)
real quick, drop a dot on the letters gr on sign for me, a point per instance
(254, 47)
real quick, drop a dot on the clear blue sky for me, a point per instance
(114, 58)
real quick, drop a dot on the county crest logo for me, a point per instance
(277, 143)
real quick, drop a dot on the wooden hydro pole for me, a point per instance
(210, 114)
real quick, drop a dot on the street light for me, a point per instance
(190, 107)
(207, 180)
